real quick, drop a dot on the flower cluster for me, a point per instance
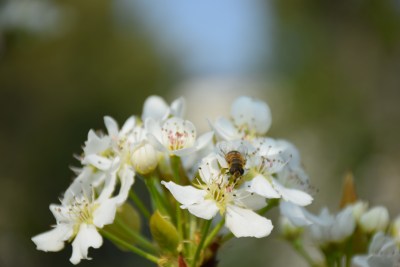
(233, 172)
(357, 235)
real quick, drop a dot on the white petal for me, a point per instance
(289, 153)
(296, 215)
(186, 195)
(155, 107)
(261, 186)
(128, 126)
(360, 261)
(86, 237)
(105, 213)
(112, 126)
(99, 162)
(184, 151)
(203, 140)
(250, 200)
(295, 196)
(178, 107)
(127, 178)
(109, 186)
(96, 144)
(209, 168)
(344, 225)
(60, 212)
(253, 113)
(244, 222)
(53, 240)
(205, 209)
(225, 129)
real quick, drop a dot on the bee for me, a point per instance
(235, 156)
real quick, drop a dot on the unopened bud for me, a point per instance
(374, 220)
(395, 228)
(145, 158)
(359, 208)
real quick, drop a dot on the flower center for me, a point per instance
(81, 211)
(178, 134)
(221, 191)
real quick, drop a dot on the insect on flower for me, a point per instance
(235, 156)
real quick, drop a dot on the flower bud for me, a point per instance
(374, 220)
(395, 228)
(359, 208)
(145, 158)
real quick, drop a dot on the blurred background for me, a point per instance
(330, 71)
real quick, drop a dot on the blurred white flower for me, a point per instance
(156, 108)
(31, 15)
(395, 229)
(80, 215)
(328, 228)
(250, 118)
(375, 220)
(383, 252)
(217, 194)
(175, 136)
(103, 153)
(269, 159)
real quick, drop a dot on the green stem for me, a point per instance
(339, 261)
(158, 201)
(175, 166)
(139, 204)
(298, 247)
(200, 247)
(179, 220)
(128, 246)
(144, 242)
(214, 232)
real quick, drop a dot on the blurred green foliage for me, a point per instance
(337, 64)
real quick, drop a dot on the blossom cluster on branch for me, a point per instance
(228, 177)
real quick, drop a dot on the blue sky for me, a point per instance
(210, 37)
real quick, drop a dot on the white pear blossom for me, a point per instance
(176, 136)
(383, 252)
(216, 194)
(80, 215)
(328, 228)
(375, 220)
(271, 157)
(101, 151)
(156, 108)
(250, 118)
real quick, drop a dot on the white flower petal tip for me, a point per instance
(374, 220)
(186, 195)
(251, 113)
(87, 237)
(246, 223)
(178, 107)
(262, 186)
(54, 239)
(298, 216)
(155, 107)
